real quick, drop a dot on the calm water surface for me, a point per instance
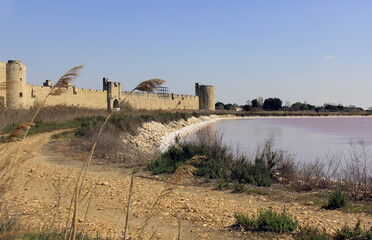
(307, 138)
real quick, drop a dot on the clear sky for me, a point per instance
(319, 51)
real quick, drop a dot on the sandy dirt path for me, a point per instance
(42, 191)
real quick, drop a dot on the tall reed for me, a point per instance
(10, 161)
(146, 86)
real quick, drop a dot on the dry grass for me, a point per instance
(10, 161)
(148, 86)
(48, 114)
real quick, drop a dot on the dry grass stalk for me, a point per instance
(165, 192)
(20, 131)
(128, 208)
(153, 234)
(65, 79)
(23, 129)
(169, 187)
(6, 85)
(179, 229)
(148, 86)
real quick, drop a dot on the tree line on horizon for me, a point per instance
(276, 104)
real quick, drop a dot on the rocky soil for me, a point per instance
(41, 194)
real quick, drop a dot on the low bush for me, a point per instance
(221, 163)
(337, 199)
(256, 173)
(268, 221)
(215, 164)
(356, 233)
(221, 184)
(310, 233)
(238, 187)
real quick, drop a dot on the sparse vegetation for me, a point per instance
(309, 233)
(221, 184)
(337, 199)
(57, 236)
(221, 163)
(268, 221)
(215, 165)
(238, 187)
(262, 170)
(356, 233)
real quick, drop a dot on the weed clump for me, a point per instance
(238, 187)
(222, 184)
(356, 233)
(256, 173)
(337, 199)
(214, 165)
(310, 233)
(267, 221)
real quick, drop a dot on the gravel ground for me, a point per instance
(41, 193)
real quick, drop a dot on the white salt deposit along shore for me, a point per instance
(169, 139)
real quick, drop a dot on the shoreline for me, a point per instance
(169, 138)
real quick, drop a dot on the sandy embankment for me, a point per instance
(156, 137)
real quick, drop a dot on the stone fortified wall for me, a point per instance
(19, 94)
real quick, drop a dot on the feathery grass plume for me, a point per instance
(65, 81)
(6, 85)
(25, 128)
(147, 86)
(19, 131)
(2, 86)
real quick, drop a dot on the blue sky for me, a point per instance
(318, 51)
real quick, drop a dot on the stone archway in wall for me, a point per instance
(115, 104)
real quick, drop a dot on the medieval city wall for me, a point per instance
(19, 94)
(71, 96)
(151, 101)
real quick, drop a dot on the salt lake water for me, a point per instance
(306, 138)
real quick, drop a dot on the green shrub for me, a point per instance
(309, 233)
(357, 233)
(268, 221)
(221, 184)
(337, 199)
(169, 161)
(214, 165)
(238, 187)
(256, 173)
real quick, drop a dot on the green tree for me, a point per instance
(219, 105)
(272, 104)
(255, 103)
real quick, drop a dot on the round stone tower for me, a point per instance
(206, 96)
(16, 84)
